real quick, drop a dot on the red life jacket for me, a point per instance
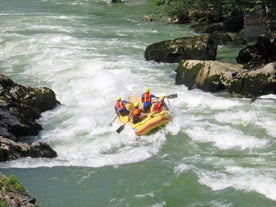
(147, 97)
(157, 107)
(119, 105)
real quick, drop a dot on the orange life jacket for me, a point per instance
(157, 107)
(119, 105)
(136, 115)
(147, 97)
(136, 112)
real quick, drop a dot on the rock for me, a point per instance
(254, 83)
(208, 22)
(221, 38)
(201, 47)
(11, 150)
(214, 76)
(207, 27)
(259, 54)
(40, 149)
(147, 18)
(15, 195)
(20, 106)
(209, 76)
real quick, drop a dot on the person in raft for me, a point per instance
(159, 105)
(146, 100)
(120, 107)
(136, 114)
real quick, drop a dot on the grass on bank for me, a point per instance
(10, 184)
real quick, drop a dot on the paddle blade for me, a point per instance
(253, 99)
(172, 96)
(121, 128)
(110, 124)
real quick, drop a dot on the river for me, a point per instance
(217, 151)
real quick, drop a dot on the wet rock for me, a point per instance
(12, 150)
(20, 106)
(259, 54)
(207, 27)
(210, 76)
(201, 47)
(221, 38)
(147, 18)
(116, 1)
(254, 83)
(214, 76)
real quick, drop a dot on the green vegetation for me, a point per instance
(11, 184)
(3, 203)
(216, 10)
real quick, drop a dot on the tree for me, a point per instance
(230, 11)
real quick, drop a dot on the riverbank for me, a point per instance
(12, 193)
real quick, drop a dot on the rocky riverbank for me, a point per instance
(252, 76)
(20, 107)
(12, 193)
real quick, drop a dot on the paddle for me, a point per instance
(110, 124)
(121, 128)
(253, 99)
(172, 96)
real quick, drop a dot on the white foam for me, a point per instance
(240, 117)
(240, 178)
(268, 123)
(181, 168)
(224, 137)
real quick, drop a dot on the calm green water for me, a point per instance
(217, 151)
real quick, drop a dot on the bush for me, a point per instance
(11, 184)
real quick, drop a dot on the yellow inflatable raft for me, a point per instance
(149, 123)
(152, 121)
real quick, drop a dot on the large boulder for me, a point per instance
(214, 76)
(254, 83)
(201, 47)
(20, 106)
(206, 75)
(259, 54)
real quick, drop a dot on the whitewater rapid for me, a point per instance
(89, 58)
